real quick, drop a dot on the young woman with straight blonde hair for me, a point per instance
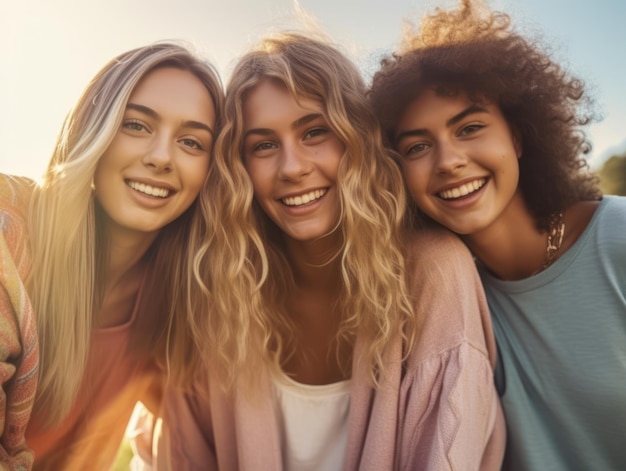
(320, 356)
(96, 261)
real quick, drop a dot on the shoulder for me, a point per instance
(604, 221)
(435, 252)
(612, 206)
(610, 242)
(13, 188)
(448, 298)
(15, 193)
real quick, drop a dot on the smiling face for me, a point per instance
(292, 156)
(157, 162)
(459, 159)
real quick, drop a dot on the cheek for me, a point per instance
(199, 168)
(415, 178)
(509, 164)
(261, 176)
(339, 153)
(194, 174)
(103, 175)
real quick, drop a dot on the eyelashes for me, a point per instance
(138, 127)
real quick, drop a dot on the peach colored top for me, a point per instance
(114, 378)
(91, 434)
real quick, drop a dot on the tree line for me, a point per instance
(613, 175)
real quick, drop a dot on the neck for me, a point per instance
(122, 274)
(512, 248)
(316, 264)
(124, 253)
(320, 357)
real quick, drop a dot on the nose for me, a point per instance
(294, 163)
(450, 158)
(159, 155)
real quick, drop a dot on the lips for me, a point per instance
(157, 192)
(462, 190)
(305, 198)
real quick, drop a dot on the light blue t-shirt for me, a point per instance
(562, 353)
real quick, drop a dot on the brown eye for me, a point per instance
(191, 143)
(134, 125)
(261, 146)
(416, 149)
(470, 129)
(315, 132)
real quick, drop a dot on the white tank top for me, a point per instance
(313, 423)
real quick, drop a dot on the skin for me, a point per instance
(292, 157)
(162, 147)
(460, 160)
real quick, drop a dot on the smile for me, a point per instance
(462, 190)
(148, 190)
(305, 198)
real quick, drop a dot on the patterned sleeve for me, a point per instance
(19, 351)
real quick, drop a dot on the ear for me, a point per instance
(517, 142)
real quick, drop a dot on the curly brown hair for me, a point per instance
(476, 51)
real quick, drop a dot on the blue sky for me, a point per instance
(49, 49)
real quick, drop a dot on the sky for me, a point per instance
(50, 49)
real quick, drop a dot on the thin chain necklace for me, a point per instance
(556, 229)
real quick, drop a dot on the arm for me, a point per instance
(19, 351)
(453, 418)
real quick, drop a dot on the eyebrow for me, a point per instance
(470, 110)
(153, 114)
(295, 125)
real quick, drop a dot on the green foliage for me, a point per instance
(124, 455)
(613, 175)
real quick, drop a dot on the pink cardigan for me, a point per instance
(437, 410)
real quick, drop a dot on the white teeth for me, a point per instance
(304, 199)
(463, 190)
(149, 190)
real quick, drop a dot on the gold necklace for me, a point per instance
(556, 229)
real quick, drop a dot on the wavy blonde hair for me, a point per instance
(68, 253)
(242, 264)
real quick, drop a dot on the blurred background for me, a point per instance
(49, 50)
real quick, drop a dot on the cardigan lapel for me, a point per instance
(372, 435)
(258, 438)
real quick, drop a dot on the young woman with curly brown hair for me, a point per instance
(488, 129)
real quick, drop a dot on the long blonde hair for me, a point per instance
(242, 264)
(68, 256)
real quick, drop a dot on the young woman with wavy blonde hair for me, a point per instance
(320, 356)
(98, 257)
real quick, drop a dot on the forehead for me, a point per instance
(436, 106)
(270, 101)
(174, 90)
